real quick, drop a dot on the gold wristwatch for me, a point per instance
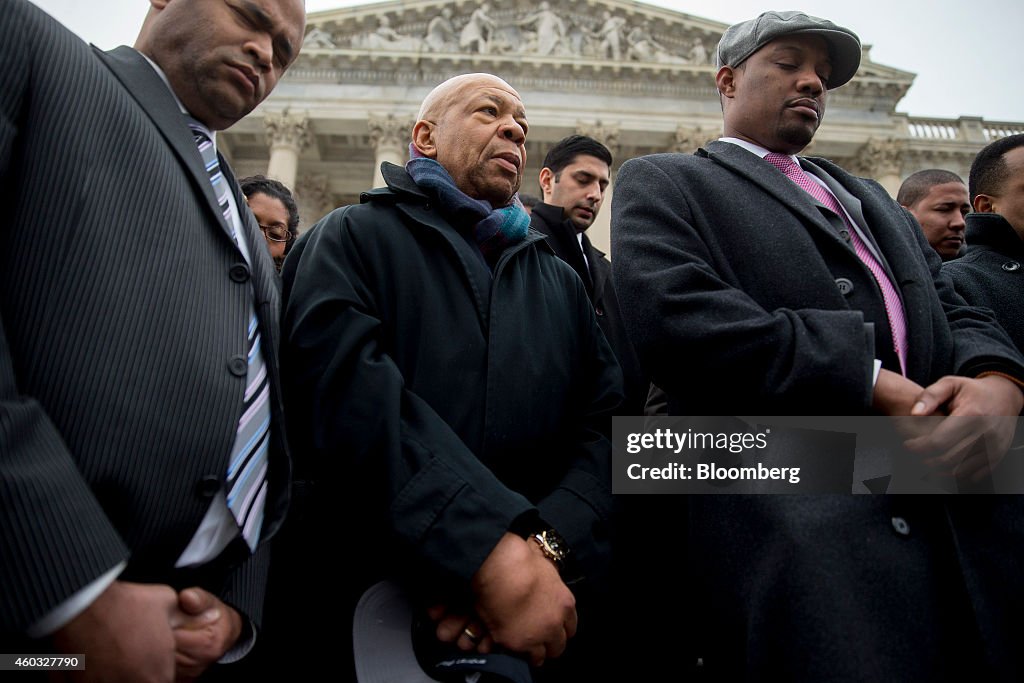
(553, 546)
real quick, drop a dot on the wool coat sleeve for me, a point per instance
(978, 342)
(981, 343)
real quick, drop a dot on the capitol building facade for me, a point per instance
(637, 77)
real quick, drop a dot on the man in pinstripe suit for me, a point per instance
(135, 302)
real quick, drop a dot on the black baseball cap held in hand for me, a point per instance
(394, 645)
(747, 37)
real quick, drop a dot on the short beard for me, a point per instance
(798, 137)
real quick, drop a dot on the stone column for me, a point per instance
(287, 136)
(390, 136)
(600, 232)
(313, 196)
(883, 161)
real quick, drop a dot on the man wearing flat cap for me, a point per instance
(757, 282)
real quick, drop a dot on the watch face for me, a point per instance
(556, 543)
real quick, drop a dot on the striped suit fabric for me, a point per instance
(123, 314)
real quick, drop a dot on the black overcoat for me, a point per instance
(744, 298)
(435, 402)
(596, 274)
(991, 272)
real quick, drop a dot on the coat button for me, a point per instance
(845, 234)
(239, 272)
(900, 526)
(1011, 266)
(208, 486)
(845, 286)
(238, 366)
(599, 312)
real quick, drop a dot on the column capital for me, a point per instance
(606, 134)
(689, 138)
(390, 130)
(879, 157)
(287, 128)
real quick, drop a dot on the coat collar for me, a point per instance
(993, 230)
(552, 217)
(410, 200)
(553, 223)
(399, 183)
(402, 189)
(550, 220)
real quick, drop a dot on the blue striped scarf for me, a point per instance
(493, 229)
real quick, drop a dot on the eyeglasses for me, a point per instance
(276, 233)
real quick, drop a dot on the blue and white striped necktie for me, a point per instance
(247, 467)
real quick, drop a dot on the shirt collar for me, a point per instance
(753, 148)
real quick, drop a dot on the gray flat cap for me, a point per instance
(747, 37)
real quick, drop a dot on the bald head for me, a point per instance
(475, 126)
(441, 98)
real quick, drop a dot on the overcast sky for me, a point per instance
(967, 55)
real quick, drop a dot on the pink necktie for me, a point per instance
(893, 305)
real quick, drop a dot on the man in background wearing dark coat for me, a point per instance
(137, 340)
(755, 282)
(990, 273)
(573, 180)
(450, 393)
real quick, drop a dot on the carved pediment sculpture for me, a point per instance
(384, 37)
(318, 38)
(600, 32)
(557, 28)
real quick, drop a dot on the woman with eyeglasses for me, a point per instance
(276, 212)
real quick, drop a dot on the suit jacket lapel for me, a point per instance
(849, 202)
(888, 227)
(154, 97)
(265, 282)
(765, 176)
(865, 211)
